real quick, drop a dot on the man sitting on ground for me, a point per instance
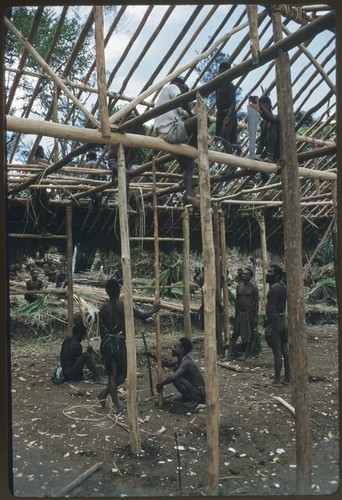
(73, 359)
(33, 284)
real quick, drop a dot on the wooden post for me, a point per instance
(156, 279)
(223, 245)
(209, 294)
(334, 235)
(128, 301)
(186, 274)
(293, 260)
(216, 234)
(69, 253)
(101, 71)
(264, 257)
(252, 13)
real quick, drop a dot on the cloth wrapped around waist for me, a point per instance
(111, 347)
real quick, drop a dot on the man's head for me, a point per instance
(182, 347)
(40, 152)
(266, 101)
(180, 84)
(224, 66)
(247, 274)
(79, 331)
(113, 288)
(274, 274)
(91, 155)
(34, 274)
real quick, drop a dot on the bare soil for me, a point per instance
(60, 432)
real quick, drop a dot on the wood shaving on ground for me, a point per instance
(230, 366)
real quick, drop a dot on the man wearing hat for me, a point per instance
(171, 127)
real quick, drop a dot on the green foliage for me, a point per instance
(22, 18)
(324, 289)
(326, 252)
(34, 312)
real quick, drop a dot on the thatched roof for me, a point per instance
(159, 42)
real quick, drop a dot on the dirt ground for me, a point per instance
(61, 432)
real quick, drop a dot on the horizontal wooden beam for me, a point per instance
(85, 135)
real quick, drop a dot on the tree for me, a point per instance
(22, 18)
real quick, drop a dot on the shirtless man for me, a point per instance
(186, 376)
(275, 323)
(246, 315)
(33, 284)
(73, 359)
(113, 340)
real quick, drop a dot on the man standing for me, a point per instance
(268, 146)
(186, 377)
(226, 119)
(246, 315)
(113, 340)
(275, 323)
(171, 127)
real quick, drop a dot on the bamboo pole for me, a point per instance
(186, 274)
(157, 286)
(128, 308)
(69, 253)
(209, 294)
(223, 246)
(293, 259)
(101, 71)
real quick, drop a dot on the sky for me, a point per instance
(168, 33)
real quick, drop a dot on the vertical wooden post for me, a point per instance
(334, 235)
(264, 257)
(217, 263)
(69, 252)
(101, 71)
(156, 279)
(128, 301)
(293, 260)
(252, 13)
(55, 119)
(223, 245)
(209, 294)
(186, 274)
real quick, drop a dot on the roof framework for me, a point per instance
(103, 98)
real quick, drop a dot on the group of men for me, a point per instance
(246, 318)
(179, 125)
(54, 274)
(186, 377)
